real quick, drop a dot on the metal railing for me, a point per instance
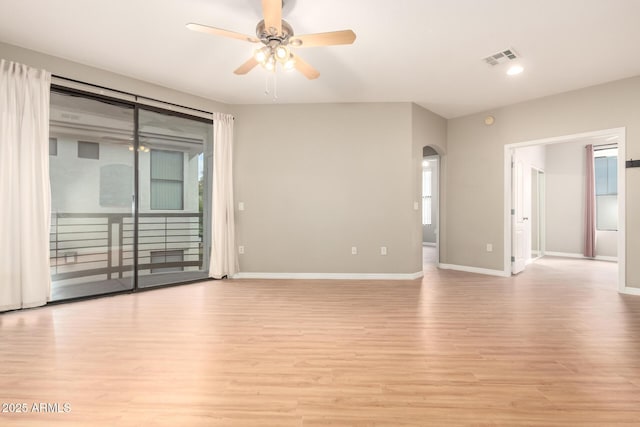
(83, 245)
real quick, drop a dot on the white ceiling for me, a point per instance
(424, 51)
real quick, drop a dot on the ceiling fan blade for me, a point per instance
(220, 32)
(247, 66)
(323, 39)
(272, 12)
(307, 70)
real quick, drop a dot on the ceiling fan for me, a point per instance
(278, 38)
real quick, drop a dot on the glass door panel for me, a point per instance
(91, 166)
(174, 176)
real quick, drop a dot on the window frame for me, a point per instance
(599, 195)
(152, 180)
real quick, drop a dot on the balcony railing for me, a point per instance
(96, 246)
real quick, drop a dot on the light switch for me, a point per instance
(240, 206)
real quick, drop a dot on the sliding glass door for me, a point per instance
(174, 176)
(91, 166)
(128, 210)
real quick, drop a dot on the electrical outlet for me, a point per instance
(240, 250)
(489, 247)
(383, 250)
(354, 250)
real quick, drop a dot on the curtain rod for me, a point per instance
(605, 146)
(129, 94)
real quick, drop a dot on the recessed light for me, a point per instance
(515, 69)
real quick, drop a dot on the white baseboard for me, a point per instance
(473, 270)
(9, 307)
(564, 254)
(581, 256)
(428, 244)
(630, 291)
(330, 276)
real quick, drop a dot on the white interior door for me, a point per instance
(520, 231)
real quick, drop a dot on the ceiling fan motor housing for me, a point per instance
(270, 35)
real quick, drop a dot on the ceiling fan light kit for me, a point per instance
(278, 38)
(275, 49)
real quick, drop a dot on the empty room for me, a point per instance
(305, 213)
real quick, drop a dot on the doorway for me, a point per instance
(541, 233)
(430, 206)
(527, 176)
(537, 215)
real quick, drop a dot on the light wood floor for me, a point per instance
(555, 345)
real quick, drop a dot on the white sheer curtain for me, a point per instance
(24, 186)
(224, 261)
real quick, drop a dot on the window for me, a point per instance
(606, 181)
(88, 150)
(426, 196)
(53, 147)
(167, 179)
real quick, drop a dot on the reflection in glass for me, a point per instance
(91, 171)
(174, 181)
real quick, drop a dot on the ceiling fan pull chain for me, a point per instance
(266, 84)
(275, 86)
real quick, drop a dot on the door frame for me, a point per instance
(517, 189)
(528, 168)
(620, 132)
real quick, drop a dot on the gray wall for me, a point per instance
(336, 176)
(475, 206)
(565, 195)
(360, 172)
(84, 73)
(428, 129)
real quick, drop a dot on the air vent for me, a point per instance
(501, 57)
